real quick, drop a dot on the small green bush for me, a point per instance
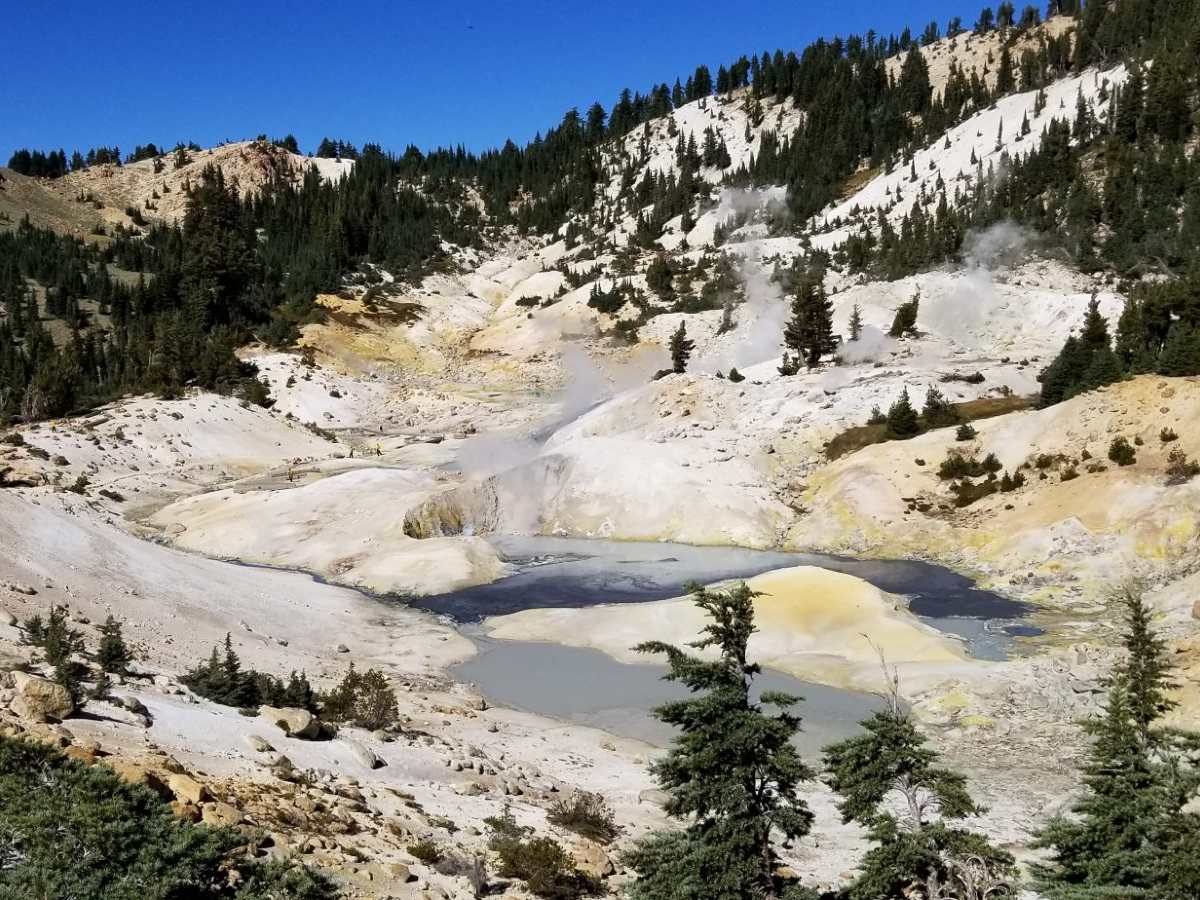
(965, 432)
(587, 815)
(1179, 468)
(1167, 435)
(425, 851)
(1121, 452)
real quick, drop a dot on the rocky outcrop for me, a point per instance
(40, 700)
(363, 754)
(294, 722)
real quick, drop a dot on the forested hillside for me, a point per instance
(158, 305)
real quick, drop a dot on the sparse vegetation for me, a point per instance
(1180, 468)
(222, 679)
(1121, 452)
(365, 700)
(587, 814)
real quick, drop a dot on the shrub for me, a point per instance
(1009, 483)
(1167, 435)
(959, 465)
(71, 830)
(365, 700)
(546, 868)
(1121, 452)
(877, 417)
(965, 432)
(735, 376)
(938, 411)
(586, 814)
(1069, 474)
(425, 851)
(1180, 468)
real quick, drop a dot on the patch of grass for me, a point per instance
(587, 815)
(860, 436)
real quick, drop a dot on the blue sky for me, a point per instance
(96, 73)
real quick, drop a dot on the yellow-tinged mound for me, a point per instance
(812, 623)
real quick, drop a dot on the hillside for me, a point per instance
(909, 342)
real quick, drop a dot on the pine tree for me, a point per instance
(1129, 834)
(733, 774)
(681, 349)
(809, 333)
(921, 847)
(938, 411)
(902, 420)
(113, 655)
(856, 323)
(904, 323)
(1181, 353)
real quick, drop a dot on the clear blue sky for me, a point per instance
(81, 74)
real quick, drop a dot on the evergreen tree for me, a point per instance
(920, 848)
(1129, 834)
(856, 323)
(1181, 352)
(681, 349)
(733, 774)
(938, 411)
(809, 333)
(113, 654)
(902, 420)
(904, 323)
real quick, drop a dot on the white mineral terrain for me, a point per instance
(415, 423)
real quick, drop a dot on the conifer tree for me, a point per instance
(809, 333)
(856, 323)
(733, 774)
(938, 411)
(113, 654)
(1129, 834)
(902, 420)
(681, 349)
(920, 848)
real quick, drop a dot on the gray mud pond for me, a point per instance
(590, 688)
(587, 687)
(576, 572)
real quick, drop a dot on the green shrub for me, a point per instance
(425, 851)
(1180, 468)
(222, 679)
(1121, 452)
(966, 432)
(365, 700)
(69, 830)
(546, 868)
(587, 815)
(1167, 435)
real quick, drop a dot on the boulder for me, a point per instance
(257, 744)
(85, 755)
(132, 773)
(187, 789)
(591, 859)
(362, 753)
(188, 812)
(220, 814)
(653, 795)
(295, 722)
(40, 700)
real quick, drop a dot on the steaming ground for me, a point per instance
(461, 412)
